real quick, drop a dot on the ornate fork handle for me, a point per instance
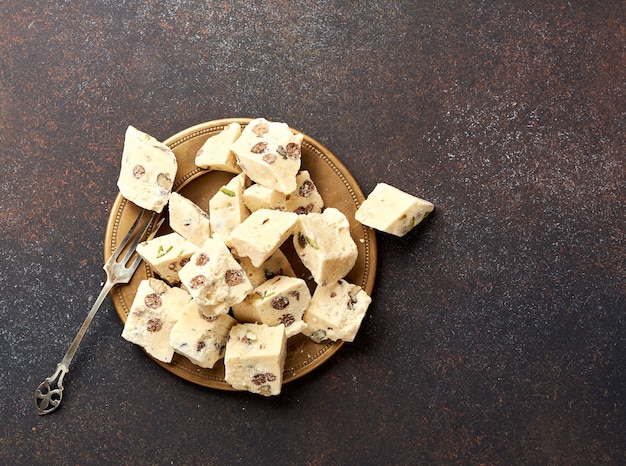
(49, 393)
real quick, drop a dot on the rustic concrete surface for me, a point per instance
(496, 335)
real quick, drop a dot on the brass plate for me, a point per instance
(338, 189)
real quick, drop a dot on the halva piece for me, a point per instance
(303, 200)
(147, 171)
(391, 210)
(215, 153)
(226, 207)
(261, 234)
(336, 312)
(280, 300)
(154, 311)
(188, 219)
(276, 264)
(325, 246)
(255, 358)
(212, 276)
(269, 153)
(166, 255)
(258, 197)
(199, 337)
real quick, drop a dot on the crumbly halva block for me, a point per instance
(199, 337)
(166, 255)
(261, 234)
(188, 219)
(269, 153)
(276, 264)
(303, 200)
(325, 246)
(226, 207)
(215, 153)
(336, 312)
(213, 277)
(258, 197)
(391, 210)
(280, 300)
(255, 358)
(154, 311)
(148, 170)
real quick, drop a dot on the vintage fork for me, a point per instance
(49, 393)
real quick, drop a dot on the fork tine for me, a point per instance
(122, 244)
(132, 267)
(137, 239)
(137, 260)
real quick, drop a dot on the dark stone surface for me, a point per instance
(496, 335)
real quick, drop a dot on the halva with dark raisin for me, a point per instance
(280, 300)
(303, 200)
(213, 277)
(325, 246)
(269, 153)
(255, 358)
(276, 264)
(199, 337)
(336, 312)
(154, 311)
(166, 255)
(147, 172)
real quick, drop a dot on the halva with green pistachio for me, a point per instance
(269, 153)
(166, 255)
(147, 172)
(391, 210)
(154, 311)
(279, 300)
(336, 312)
(226, 207)
(255, 358)
(324, 245)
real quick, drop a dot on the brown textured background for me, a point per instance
(496, 335)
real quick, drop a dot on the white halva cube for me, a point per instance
(336, 312)
(213, 277)
(188, 219)
(325, 246)
(147, 171)
(391, 210)
(269, 153)
(154, 311)
(199, 337)
(255, 358)
(261, 234)
(215, 153)
(166, 255)
(280, 300)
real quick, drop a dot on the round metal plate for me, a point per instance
(338, 189)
